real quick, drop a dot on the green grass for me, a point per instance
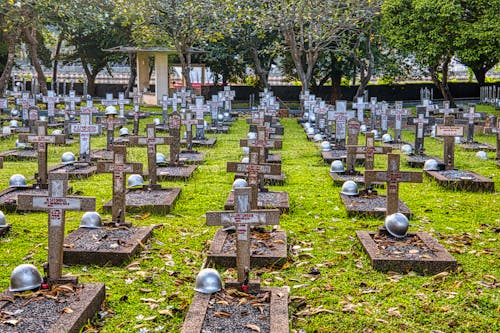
(347, 295)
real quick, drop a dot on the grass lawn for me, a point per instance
(153, 295)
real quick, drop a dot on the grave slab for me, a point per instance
(417, 252)
(104, 246)
(268, 248)
(341, 155)
(183, 172)
(207, 142)
(218, 129)
(459, 180)
(4, 229)
(418, 161)
(84, 302)
(200, 316)
(191, 157)
(339, 179)
(265, 200)
(370, 206)
(8, 197)
(19, 154)
(154, 200)
(101, 155)
(76, 170)
(475, 146)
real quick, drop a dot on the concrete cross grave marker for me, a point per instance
(111, 121)
(175, 143)
(384, 116)
(242, 218)
(199, 109)
(420, 122)
(262, 143)
(119, 168)
(341, 116)
(136, 96)
(137, 117)
(51, 99)
(184, 95)
(398, 112)
(497, 130)
(109, 100)
(214, 105)
(393, 176)
(446, 110)
(321, 115)
(471, 116)
(85, 129)
(165, 102)
(188, 121)
(360, 106)
(70, 110)
(353, 126)
(255, 172)
(151, 141)
(56, 203)
(229, 95)
(449, 131)
(373, 112)
(41, 139)
(25, 102)
(122, 101)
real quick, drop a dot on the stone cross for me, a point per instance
(497, 130)
(41, 139)
(70, 109)
(262, 143)
(137, 117)
(214, 108)
(360, 106)
(164, 102)
(56, 203)
(321, 115)
(109, 100)
(151, 141)
(341, 116)
(373, 112)
(111, 122)
(242, 218)
(4, 103)
(384, 116)
(255, 172)
(449, 131)
(471, 116)
(119, 168)
(420, 122)
(25, 101)
(353, 126)
(369, 150)
(33, 112)
(398, 112)
(175, 133)
(188, 121)
(51, 99)
(122, 101)
(446, 110)
(393, 176)
(199, 109)
(136, 96)
(184, 95)
(85, 129)
(228, 97)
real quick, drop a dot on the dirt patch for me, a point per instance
(410, 247)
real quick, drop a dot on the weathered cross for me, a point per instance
(449, 131)
(164, 102)
(353, 126)
(214, 108)
(85, 129)
(497, 130)
(255, 172)
(471, 116)
(242, 218)
(228, 97)
(111, 121)
(321, 116)
(199, 109)
(136, 96)
(398, 112)
(341, 116)
(184, 95)
(119, 168)
(420, 122)
(446, 110)
(384, 116)
(122, 101)
(137, 117)
(51, 99)
(188, 121)
(373, 112)
(56, 203)
(25, 101)
(360, 106)
(262, 143)
(41, 139)
(393, 176)
(151, 141)
(175, 143)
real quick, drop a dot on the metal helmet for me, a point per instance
(245, 159)
(13, 123)
(91, 220)
(14, 112)
(363, 128)
(325, 146)
(458, 140)
(239, 182)
(349, 188)
(57, 132)
(482, 155)
(3, 220)
(110, 111)
(220, 117)
(431, 165)
(376, 134)
(20, 145)
(312, 118)
(18, 180)
(251, 136)
(135, 181)
(43, 118)
(386, 138)
(337, 166)
(246, 150)
(306, 115)
(227, 115)
(68, 158)
(160, 158)
(156, 121)
(407, 149)
(25, 277)
(310, 131)
(317, 137)
(307, 125)
(124, 131)
(397, 225)
(208, 281)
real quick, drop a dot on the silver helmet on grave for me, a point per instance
(156, 121)
(239, 182)
(245, 159)
(20, 145)
(14, 123)
(363, 128)
(349, 188)
(91, 220)
(325, 146)
(407, 149)
(246, 150)
(110, 111)
(310, 131)
(25, 277)
(208, 281)
(124, 131)
(3, 220)
(14, 112)
(386, 138)
(317, 137)
(18, 180)
(68, 158)
(135, 181)
(397, 225)
(57, 132)
(160, 158)
(376, 134)
(251, 135)
(337, 166)
(482, 155)
(431, 165)
(458, 140)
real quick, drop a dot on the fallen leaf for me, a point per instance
(312, 312)
(394, 312)
(166, 312)
(67, 310)
(222, 314)
(253, 327)
(11, 322)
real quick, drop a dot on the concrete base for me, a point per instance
(265, 200)
(75, 171)
(441, 261)
(341, 155)
(19, 154)
(418, 161)
(158, 201)
(278, 311)
(8, 197)
(87, 302)
(475, 146)
(101, 155)
(183, 172)
(370, 206)
(462, 180)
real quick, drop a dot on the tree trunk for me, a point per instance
(30, 35)
(259, 69)
(480, 74)
(12, 39)
(56, 60)
(336, 78)
(366, 77)
(90, 78)
(442, 84)
(133, 72)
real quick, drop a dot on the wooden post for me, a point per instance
(151, 141)
(56, 203)
(393, 176)
(175, 133)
